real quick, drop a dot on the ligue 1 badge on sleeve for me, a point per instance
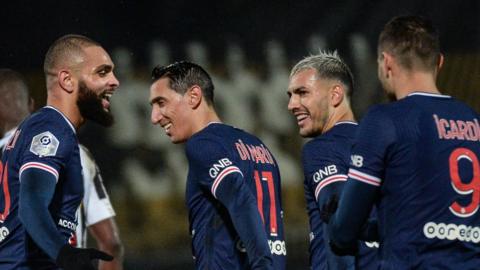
(44, 144)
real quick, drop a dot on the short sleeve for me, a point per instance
(210, 162)
(47, 146)
(325, 170)
(375, 138)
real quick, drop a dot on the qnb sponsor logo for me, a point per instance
(277, 247)
(217, 167)
(67, 224)
(452, 232)
(372, 244)
(327, 171)
(4, 232)
(357, 160)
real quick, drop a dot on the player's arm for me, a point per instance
(229, 187)
(320, 254)
(369, 231)
(349, 222)
(325, 173)
(241, 205)
(375, 136)
(38, 175)
(106, 235)
(36, 191)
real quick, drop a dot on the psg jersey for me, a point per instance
(219, 156)
(422, 152)
(47, 141)
(325, 163)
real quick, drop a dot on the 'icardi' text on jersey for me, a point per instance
(422, 152)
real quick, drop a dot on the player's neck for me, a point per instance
(204, 118)
(416, 82)
(340, 114)
(68, 108)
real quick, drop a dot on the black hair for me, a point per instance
(183, 75)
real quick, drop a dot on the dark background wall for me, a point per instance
(145, 179)
(28, 27)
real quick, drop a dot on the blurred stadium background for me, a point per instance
(248, 47)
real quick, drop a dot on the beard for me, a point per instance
(91, 108)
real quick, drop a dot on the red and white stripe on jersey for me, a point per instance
(363, 177)
(41, 166)
(327, 181)
(228, 170)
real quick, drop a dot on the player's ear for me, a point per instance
(337, 94)
(194, 95)
(439, 64)
(31, 104)
(66, 80)
(440, 61)
(387, 63)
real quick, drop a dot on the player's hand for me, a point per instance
(70, 258)
(369, 231)
(350, 251)
(329, 209)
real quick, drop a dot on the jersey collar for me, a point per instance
(213, 122)
(346, 122)
(64, 117)
(418, 93)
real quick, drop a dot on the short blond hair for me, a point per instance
(328, 65)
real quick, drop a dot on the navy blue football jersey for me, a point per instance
(47, 141)
(220, 157)
(422, 152)
(325, 163)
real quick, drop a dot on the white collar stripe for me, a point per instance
(346, 122)
(428, 95)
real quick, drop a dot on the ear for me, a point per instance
(387, 63)
(337, 95)
(66, 80)
(440, 61)
(194, 95)
(31, 104)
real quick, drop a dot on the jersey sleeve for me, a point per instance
(97, 205)
(376, 135)
(47, 147)
(324, 169)
(211, 162)
(325, 172)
